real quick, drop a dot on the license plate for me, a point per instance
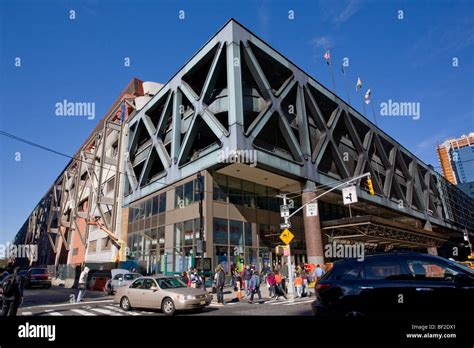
(202, 302)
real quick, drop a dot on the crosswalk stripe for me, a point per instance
(105, 311)
(120, 310)
(82, 312)
(298, 302)
(27, 313)
(56, 314)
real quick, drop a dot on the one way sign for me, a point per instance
(349, 195)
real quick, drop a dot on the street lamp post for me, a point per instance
(200, 192)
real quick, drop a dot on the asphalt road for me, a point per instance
(56, 302)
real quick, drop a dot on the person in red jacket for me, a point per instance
(271, 282)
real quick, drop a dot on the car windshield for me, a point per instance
(38, 271)
(170, 283)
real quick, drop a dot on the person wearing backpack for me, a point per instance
(254, 285)
(220, 282)
(12, 288)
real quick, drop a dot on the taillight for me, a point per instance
(322, 286)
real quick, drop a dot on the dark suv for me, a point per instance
(396, 283)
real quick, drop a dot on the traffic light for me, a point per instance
(370, 186)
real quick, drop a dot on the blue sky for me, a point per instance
(408, 60)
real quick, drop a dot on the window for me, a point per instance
(148, 284)
(130, 276)
(162, 206)
(188, 193)
(155, 205)
(248, 193)
(235, 190)
(118, 276)
(148, 208)
(106, 244)
(111, 185)
(236, 233)
(161, 237)
(93, 246)
(137, 284)
(220, 187)
(184, 195)
(384, 270)
(220, 232)
(262, 199)
(220, 257)
(431, 270)
(248, 233)
(188, 232)
(179, 197)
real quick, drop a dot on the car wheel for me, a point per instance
(125, 303)
(168, 306)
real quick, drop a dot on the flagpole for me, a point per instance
(331, 71)
(346, 86)
(363, 103)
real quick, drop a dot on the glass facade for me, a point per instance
(185, 194)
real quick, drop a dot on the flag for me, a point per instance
(367, 96)
(122, 112)
(359, 84)
(327, 56)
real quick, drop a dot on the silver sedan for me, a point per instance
(166, 293)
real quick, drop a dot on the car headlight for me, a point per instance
(186, 297)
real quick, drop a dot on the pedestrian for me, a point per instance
(82, 284)
(254, 285)
(318, 273)
(246, 278)
(219, 279)
(186, 278)
(196, 280)
(278, 286)
(305, 276)
(271, 282)
(299, 285)
(12, 293)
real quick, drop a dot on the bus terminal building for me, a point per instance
(253, 126)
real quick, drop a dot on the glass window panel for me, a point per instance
(154, 238)
(236, 233)
(161, 237)
(179, 197)
(220, 187)
(248, 193)
(248, 233)
(188, 232)
(235, 190)
(155, 205)
(261, 194)
(148, 208)
(188, 192)
(264, 238)
(196, 228)
(251, 256)
(220, 232)
(273, 202)
(178, 234)
(162, 204)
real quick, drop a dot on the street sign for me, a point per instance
(312, 209)
(285, 225)
(286, 236)
(286, 251)
(349, 195)
(284, 211)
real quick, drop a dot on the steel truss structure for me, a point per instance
(238, 93)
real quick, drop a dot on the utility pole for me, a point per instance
(287, 224)
(200, 192)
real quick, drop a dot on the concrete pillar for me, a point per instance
(312, 229)
(431, 250)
